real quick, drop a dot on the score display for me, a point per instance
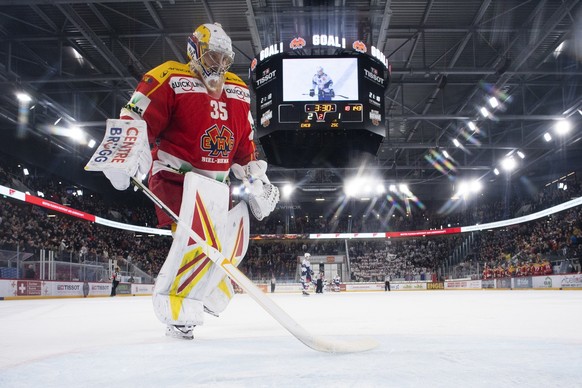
(323, 110)
(322, 115)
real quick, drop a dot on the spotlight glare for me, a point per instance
(476, 186)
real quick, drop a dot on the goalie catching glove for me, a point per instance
(123, 153)
(263, 196)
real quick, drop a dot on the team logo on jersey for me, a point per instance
(187, 85)
(219, 142)
(297, 43)
(138, 104)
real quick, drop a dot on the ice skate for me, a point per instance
(180, 332)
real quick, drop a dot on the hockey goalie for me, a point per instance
(188, 126)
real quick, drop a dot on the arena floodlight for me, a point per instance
(287, 190)
(456, 143)
(23, 97)
(25, 171)
(508, 164)
(472, 126)
(496, 171)
(484, 112)
(562, 127)
(493, 102)
(521, 154)
(91, 143)
(547, 137)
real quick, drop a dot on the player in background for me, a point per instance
(324, 85)
(306, 273)
(336, 283)
(198, 120)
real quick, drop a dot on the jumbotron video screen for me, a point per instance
(319, 110)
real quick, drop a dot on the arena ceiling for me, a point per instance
(80, 60)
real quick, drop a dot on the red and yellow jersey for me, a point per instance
(547, 268)
(190, 130)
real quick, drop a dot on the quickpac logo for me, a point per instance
(186, 85)
(373, 75)
(219, 142)
(238, 93)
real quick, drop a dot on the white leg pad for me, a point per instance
(191, 311)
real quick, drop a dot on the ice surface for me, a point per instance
(429, 339)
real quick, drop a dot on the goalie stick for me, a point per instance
(314, 342)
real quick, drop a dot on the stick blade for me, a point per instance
(339, 346)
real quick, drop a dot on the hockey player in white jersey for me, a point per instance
(306, 273)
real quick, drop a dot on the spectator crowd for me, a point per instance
(29, 228)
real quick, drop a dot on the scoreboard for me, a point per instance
(310, 107)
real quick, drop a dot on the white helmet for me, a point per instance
(319, 70)
(211, 55)
(307, 255)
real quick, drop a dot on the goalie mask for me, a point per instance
(211, 55)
